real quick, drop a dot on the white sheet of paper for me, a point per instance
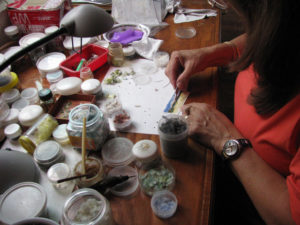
(144, 95)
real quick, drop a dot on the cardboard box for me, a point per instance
(36, 15)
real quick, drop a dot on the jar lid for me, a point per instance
(45, 94)
(164, 204)
(13, 81)
(91, 86)
(145, 150)
(30, 38)
(186, 32)
(128, 51)
(11, 30)
(11, 51)
(127, 187)
(55, 76)
(90, 111)
(29, 93)
(69, 86)
(12, 116)
(27, 144)
(12, 203)
(76, 42)
(11, 95)
(58, 171)
(118, 152)
(60, 132)
(47, 152)
(20, 104)
(30, 114)
(13, 130)
(50, 62)
(51, 29)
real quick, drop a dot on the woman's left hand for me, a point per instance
(209, 126)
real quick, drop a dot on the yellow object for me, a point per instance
(13, 82)
(180, 102)
(27, 144)
(83, 150)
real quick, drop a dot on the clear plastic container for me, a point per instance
(20, 104)
(145, 152)
(54, 77)
(57, 172)
(121, 120)
(11, 95)
(30, 114)
(12, 117)
(48, 153)
(173, 135)
(4, 110)
(31, 95)
(94, 167)
(86, 73)
(161, 58)
(39, 132)
(97, 127)
(12, 32)
(13, 131)
(60, 134)
(115, 54)
(87, 206)
(164, 204)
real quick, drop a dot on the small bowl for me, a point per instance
(121, 120)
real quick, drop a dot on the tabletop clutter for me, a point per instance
(45, 121)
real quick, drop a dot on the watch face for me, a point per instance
(231, 148)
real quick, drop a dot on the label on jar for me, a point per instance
(77, 142)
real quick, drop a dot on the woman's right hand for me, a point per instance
(183, 64)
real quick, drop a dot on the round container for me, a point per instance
(46, 99)
(94, 167)
(121, 120)
(164, 204)
(12, 117)
(145, 151)
(54, 77)
(161, 58)
(30, 114)
(4, 110)
(8, 80)
(97, 127)
(31, 94)
(11, 51)
(186, 32)
(117, 152)
(91, 87)
(20, 104)
(50, 62)
(173, 135)
(129, 52)
(35, 221)
(22, 201)
(11, 96)
(127, 187)
(12, 32)
(13, 131)
(57, 172)
(48, 153)
(60, 134)
(51, 29)
(115, 54)
(86, 73)
(69, 86)
(112, 105)
(87, 206)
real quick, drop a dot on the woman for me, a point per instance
(267, 106)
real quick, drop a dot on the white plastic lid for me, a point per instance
(186, 32)
(30, 38)
(127, 187)
(13, 130)
(145, 150)
(12, 116)
(91, 86)
(76, 41)
(55, 76)
(58, 171)
(69, 86)
(60, 132)
(21, 201)
(11, 95)
(47, 152)
(50, 29)
(50, 62)
(128, 51)
(11, 30)
(164, 204)
(11, 51)
(30, 94)
(20, 104)
(30, 114)
(118, 152)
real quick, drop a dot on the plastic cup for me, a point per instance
(86, 73)
(173, 135)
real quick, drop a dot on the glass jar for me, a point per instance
(97, 127)
(39, 132)
(87, 206)
(115, 54)
(154, 173)
(46, 99)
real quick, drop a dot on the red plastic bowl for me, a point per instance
(70, 64)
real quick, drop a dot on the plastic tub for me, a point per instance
(50, 62)
(54, 77)
(164, 204)
(69, 65)
(35, 221)
(31, 94)
(20, 104)
(30, 114)
(57, 172)
(60, 134)
(11, 95)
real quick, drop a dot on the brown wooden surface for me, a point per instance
(194, 173)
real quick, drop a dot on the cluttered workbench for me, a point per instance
(194, 172)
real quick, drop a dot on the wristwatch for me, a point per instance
(233, 148)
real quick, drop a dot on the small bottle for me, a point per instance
(12, 32)
(47, 99)
(154, 173)
(115, 54)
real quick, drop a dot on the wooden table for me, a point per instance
(194, 174)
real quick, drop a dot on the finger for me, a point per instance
(173, 69)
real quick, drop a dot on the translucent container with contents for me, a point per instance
(31, 94)
(20, 104)
(94, 169)
(121, 120)
(12, 32)
(86, 73)
(161, 58)
(57, 172)
(11, 95)
(164, 204)
(50, 62)
(60, 134)
(87, 206)
(115, 54)
(54, 77)
(30, 114)
(97, 127)
(145, 153)
(39, 132)
(21, 201)
(48, 153)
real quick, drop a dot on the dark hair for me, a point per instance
(273, 47)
